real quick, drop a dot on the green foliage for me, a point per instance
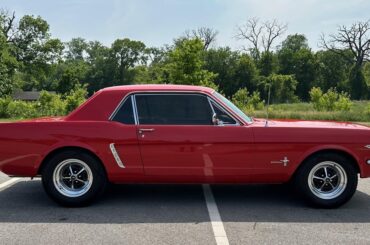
(234, 70)
(296, 58)
(21, 109)
(332, 71)
(75, 98)
(8, 64)
(49, 104)
(125, 54)
(246, 101)
(267, 63)
(186, 64)
(4, 102)
(282, 88)
(305, 111)
(357, 83)
(330, 101)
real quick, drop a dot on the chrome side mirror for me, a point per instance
(216, 121)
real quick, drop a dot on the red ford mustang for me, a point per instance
(181, 134)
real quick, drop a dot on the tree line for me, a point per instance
(31, 59)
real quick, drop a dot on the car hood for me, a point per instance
(308, 124)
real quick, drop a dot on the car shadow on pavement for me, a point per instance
(26, 202)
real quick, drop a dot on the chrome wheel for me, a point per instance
(72, 177)
(327, 180)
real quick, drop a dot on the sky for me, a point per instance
(158, 22)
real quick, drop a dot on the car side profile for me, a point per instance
(182, 134)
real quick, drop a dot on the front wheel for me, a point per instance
(73, 178)
(327, 180)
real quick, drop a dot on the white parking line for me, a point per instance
(9, 183)
(214, 215)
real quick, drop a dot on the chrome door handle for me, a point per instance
(142, 130)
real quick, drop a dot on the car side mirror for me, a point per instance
(216, 121)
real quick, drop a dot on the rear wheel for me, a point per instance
(73, 178)
(327, 180)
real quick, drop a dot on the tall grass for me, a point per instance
(305, 111)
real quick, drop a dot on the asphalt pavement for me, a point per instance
(180, 214)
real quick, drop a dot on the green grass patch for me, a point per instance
(305, 111)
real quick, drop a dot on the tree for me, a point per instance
(356, 39)
(125, 54)
(282, 88)
(7, 23)
(100, 73)
(186, 64)
(333, 70)
(8, 64)
(207, 35)
(234, 70)
(260, 34)
(76, 49)
(70, 75)
(296, 58)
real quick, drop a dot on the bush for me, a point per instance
(4, 102)
(330, 101)
(246, 101)
(50, 104)
(75, 98)
(21, 109)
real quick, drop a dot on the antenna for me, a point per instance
(267, 106)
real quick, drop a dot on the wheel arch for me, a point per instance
(341, 152)
(68, 148)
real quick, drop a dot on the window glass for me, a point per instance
(125, 113)
(174, 109)
(222, 115)
(233, 107)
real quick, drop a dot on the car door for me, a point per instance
(123, 142)
(179, 141)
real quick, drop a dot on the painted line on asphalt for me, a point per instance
(214, 215)
(9, 183)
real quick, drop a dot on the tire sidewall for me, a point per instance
(302, 179)
(96, 189)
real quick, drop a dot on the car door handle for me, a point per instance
(142, 130)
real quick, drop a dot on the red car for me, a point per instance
(181, 134)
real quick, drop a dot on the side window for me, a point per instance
(125, 113)
(174, 109)
(222, 115)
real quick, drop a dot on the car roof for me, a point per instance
(158, 87)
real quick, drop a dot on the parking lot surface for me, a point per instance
(179, 214)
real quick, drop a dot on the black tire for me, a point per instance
(96, 188)
(304, 188)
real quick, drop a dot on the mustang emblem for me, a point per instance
(285, 161)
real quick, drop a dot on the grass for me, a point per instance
(305, 111)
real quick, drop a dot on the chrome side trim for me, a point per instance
(134, 108)
(116, 156)
(210, 104)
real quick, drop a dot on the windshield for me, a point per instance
(233, 107)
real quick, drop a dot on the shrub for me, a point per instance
(4, 102)
(75, 98)
(330, 101)
(21, 109)
(50, 104)
(246, 101)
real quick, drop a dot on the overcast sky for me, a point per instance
(157, 22)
